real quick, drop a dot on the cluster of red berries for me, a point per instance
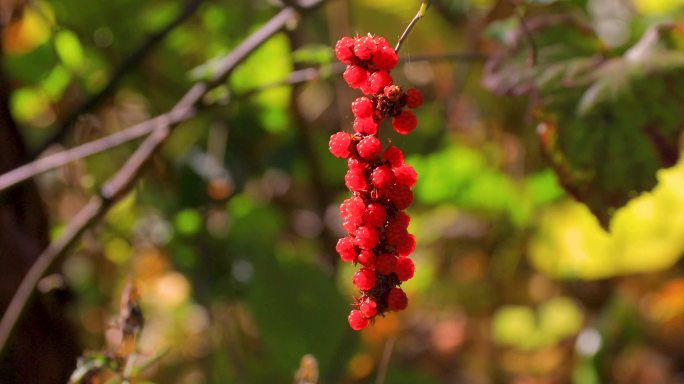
(380, 181)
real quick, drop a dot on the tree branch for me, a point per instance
(47, 163)
(62, 129)
(126, 177)
(421, 12)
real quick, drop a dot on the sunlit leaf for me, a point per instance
(644, 236)
(69, 49)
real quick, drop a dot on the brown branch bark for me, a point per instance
(47, 163)
(126, 177)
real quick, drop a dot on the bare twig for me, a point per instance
(61, 130)
(126, 177)
(58, 159)
(383, 366)
(421, 12)
(47, 163)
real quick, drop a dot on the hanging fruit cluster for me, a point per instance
(380, 181)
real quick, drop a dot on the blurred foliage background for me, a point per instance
(230, 233)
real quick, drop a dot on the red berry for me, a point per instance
(367, 237)
(400, 220)
(356, 163)
(385, 58)
(362, 107)
(413, 98)
(382, 177)
(407, 246)
(364, 47)
(397, 300)
(381, 42)
(378, 81)
(355, 180)
(351, 210)
(366, 88)
(356, 320)
(355, 76)
(364, 279)
(369, 147)
(339, 144)
(405, 122)
(365, 125)
(405, 268)
(345, 247)
(344, 49)
(349, 226)
(394, 156)
(375, 215)
(400, 196)
(367, 258)
(406, 175)
(385, 264)
(396, 236)
(369, 308)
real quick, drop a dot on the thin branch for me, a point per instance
(47, 163)
(126, 177)
(421, 12)
(61, 130)
(383, 366)
(58, 159)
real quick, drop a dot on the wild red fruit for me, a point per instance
(339, 144)
(367, 237)
(367, 258)
(394, 156)
(344, 49)
(368, 308)
(345, 248)
(405, 268)
(405, 122)
(369, 147)
(397, 300)
(355, 180)
(385, 58)
(355, 76)
(362, 107)
(385, 264)
(375, 215)
(406, 175)
(380, 181)
(364, 279)
(356, 320)
(413, 98)
(379, 80)
(365, 47)
(365, 125)
(383, 177)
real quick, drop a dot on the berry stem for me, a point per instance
(421, 12)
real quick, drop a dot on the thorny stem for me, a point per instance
(421, 12)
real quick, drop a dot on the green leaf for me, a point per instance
(607, 125)
(69, 49)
